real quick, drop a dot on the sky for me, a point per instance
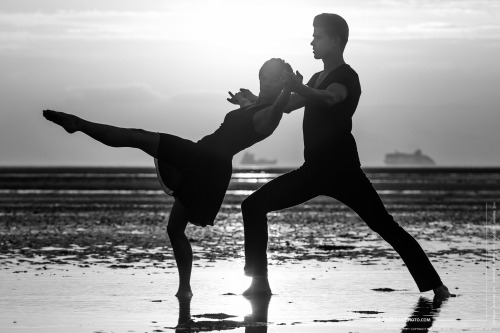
(429, 74)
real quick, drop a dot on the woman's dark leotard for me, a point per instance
(198, 173)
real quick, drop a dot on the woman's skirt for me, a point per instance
(193, 174)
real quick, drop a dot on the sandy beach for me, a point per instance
(92, 255)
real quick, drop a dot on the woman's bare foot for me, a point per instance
(259, 286)
(67, 121)
(442, 293)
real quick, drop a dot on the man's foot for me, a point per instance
(260, 286)
(184, 293)
(442, 293)
(248, 270)
(67, 121)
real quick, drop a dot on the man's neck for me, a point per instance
(330, 63)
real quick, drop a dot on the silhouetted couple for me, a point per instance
(197, 174)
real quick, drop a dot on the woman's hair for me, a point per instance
(334, 25)
(276, 62)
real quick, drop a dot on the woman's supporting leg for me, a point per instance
(109, 135)
(182, 248)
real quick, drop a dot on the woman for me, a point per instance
(197, 174)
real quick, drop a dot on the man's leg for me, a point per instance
(109, 135)
(285, 191)
(357, 192)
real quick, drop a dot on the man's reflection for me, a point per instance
(423, 316)
(260, 309)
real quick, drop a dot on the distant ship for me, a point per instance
(249, 159)
(417, 158)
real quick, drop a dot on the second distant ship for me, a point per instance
(417, 158)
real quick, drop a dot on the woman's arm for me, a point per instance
(267, 120)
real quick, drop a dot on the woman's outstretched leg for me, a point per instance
(109, 135)
(182, 248)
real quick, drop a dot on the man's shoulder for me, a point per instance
(349, 70)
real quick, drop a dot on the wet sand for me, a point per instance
(101, 262)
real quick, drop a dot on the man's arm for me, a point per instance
(296, 102)
(333, 94)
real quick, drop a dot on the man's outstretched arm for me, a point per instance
(333, 94)
(296, 102)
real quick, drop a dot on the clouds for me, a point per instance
(131, 95)
(234, 20)
(167, 65)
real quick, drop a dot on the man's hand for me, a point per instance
(239, 98)
(292, 81)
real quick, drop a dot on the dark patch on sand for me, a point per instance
(388, 289)
(335, 247)
(331, 320)
(220, 325)
(214, 316)
(368, 312)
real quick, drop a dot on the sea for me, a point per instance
(84, 249)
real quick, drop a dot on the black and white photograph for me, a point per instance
(249, 166)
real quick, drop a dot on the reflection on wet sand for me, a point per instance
(253, 323)
(260, 309)
(424, 314)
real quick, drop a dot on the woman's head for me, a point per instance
(270, 77)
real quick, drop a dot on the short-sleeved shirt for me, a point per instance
(328, 141)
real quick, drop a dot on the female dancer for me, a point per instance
(197, 174)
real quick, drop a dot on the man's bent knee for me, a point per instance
(251, 207)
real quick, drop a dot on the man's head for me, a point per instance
(331, 34)
(270, 77)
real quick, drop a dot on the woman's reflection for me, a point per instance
(253, 323)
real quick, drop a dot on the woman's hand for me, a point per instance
(249, 95)
(239, 99)
(242, 98)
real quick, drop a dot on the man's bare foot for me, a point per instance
(67, 121)
(184, 293)
(442, 293)
(260, 286)
(248, 270)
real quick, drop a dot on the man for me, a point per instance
(331, 166)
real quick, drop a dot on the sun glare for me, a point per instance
(241, 24)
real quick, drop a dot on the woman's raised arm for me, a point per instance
(267, 120)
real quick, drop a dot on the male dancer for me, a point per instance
(331, 166)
